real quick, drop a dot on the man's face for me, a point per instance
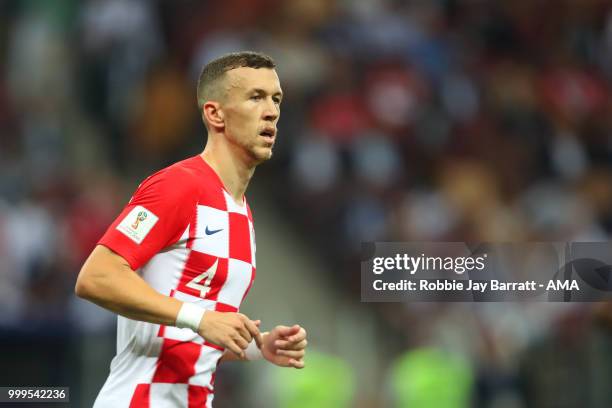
(251, 110)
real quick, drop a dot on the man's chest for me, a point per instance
(221, 261)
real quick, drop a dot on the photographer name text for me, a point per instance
(473, 285)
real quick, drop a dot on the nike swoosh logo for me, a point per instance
(210, 232)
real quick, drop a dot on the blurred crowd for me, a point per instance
(441, 120)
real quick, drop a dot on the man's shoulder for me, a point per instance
(178, 179)
(186, 171)
(187, 178)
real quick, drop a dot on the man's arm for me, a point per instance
(107, 280)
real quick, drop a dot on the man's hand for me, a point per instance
(233, 331)
(285, 346)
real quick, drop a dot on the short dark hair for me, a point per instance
(216, 69)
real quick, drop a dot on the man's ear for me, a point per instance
(213, 114)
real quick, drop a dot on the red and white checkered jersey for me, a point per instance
(190, 240)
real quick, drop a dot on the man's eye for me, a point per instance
(256, 97)
(277, 101)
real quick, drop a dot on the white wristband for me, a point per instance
(190, 316)
(253, 352)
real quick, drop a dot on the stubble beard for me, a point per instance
(260, 156)
(255, 152)
(254, 149)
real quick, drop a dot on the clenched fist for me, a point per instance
(285, 346)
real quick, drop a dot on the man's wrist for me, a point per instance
(190, 316)
(252, 352)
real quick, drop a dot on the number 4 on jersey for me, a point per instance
(207, 277)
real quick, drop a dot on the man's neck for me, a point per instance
(233, 170)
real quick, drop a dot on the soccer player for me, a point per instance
(188, 230)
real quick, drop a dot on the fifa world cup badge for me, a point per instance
(137, 223)
(142, 215)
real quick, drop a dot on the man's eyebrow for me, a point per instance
(261, 91)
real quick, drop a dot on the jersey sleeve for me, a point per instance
(156, 217)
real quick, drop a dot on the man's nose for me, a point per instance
(272, 111)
